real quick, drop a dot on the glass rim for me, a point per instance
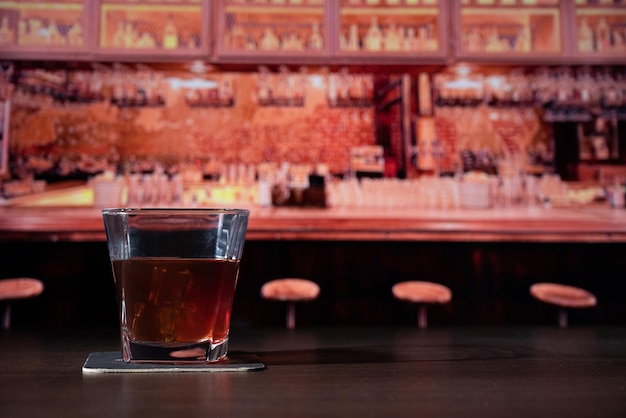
(169, 211)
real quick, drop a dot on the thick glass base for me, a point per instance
(202, 352)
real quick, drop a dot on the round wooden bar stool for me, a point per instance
(17, 288)
(564, 297)
(290, 290)
(423, 294)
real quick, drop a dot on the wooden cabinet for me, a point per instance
(154, 29)
(331, 32)
(391, 30)
(272, 30)
(55, 29)
(509, 30)
(599, 31)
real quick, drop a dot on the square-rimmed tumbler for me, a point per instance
(175, 274)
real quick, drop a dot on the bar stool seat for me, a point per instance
(422, 293)
(563, 296)
(14, 289)
(290, 290)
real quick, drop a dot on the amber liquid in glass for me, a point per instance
(175, 301)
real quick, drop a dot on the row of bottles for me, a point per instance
(600, 37)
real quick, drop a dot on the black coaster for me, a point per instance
(112, 362)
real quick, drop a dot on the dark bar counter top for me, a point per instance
(488, 258)
(585, 223)
(334, 372)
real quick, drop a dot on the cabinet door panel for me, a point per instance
(524, 30)
(272, 29)
(36, 29)
(384, 30)
(600, 31)
(152, 28)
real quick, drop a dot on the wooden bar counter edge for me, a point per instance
(587, 223)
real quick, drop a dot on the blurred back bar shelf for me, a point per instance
(144, 119)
